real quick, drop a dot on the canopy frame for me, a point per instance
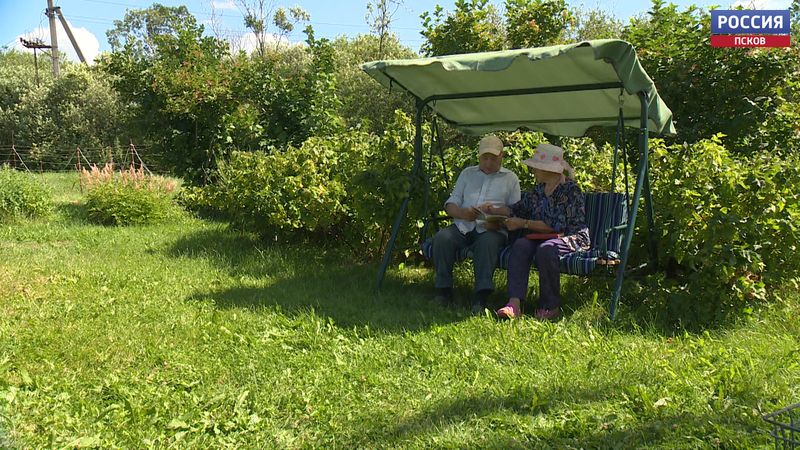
(642, 185)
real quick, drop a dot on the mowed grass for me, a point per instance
(190, 335)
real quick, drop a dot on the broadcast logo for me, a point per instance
(750, 28)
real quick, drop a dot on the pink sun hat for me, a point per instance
(550, 158)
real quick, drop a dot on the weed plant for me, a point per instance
(127, 197)
(22, 195)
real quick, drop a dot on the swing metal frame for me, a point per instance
(642, 185)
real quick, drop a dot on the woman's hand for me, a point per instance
(515, 223)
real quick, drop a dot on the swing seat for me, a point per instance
(606, 217)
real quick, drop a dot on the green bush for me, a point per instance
(349, 186)
(346, 187)
(284, 191)
(128, 197)
(22, 195)
(727, 225)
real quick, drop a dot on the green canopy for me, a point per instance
(561, 90)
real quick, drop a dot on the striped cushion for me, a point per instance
(605, 210)
(597, 218)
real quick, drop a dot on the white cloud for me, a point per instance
(248, 42)
(87, 41)
(761, 4)
(228, 4)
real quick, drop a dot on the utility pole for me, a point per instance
(69, 33)
(34, 44)
(51, 13)
(51, 16)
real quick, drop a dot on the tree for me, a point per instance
(594, 24)
(474, 26)
(16, 80)
(746, 94)
(181, 95)
(364, 101)
(255, 14)
(380, 16)
(286, 22)
(141, 27)
(79, 109)
(537, 23)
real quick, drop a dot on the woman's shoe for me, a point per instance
(508, 312)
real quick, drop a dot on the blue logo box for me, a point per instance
(750, 21)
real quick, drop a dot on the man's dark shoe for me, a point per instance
(444, 297)
(480, 301)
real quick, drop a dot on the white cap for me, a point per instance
(490, 144)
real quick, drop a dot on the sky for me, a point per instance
(90, 19)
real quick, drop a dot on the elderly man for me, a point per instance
(485, 186)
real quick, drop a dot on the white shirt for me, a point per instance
(474, 187)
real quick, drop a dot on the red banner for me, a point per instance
(749, 40)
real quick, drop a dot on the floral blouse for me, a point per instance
(564, 211)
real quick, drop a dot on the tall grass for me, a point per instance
(190, 335)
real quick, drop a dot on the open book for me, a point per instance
(490, 218)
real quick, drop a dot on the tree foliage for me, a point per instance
(196, 102)
(474, 26)
(380, 16)
(363, 101)
(140, 28)
(742, 93)
(16, 80)
(48, 122)
(256, 14)
(181, 95)
(537, 23)
(594, 24)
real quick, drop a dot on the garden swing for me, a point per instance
(560, 90)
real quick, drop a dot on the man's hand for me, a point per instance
(485, 207)
(468, 214)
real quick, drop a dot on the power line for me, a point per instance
(234, 16)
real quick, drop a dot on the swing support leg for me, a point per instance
(641, 180)
(387, 255)
(651, 228)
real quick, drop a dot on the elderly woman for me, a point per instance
(552, 218)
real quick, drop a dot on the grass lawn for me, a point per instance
(190, 335)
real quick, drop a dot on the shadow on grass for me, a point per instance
(72, 212)
(301, 275)
(298, 277)
(510, 422)
(646, 304)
